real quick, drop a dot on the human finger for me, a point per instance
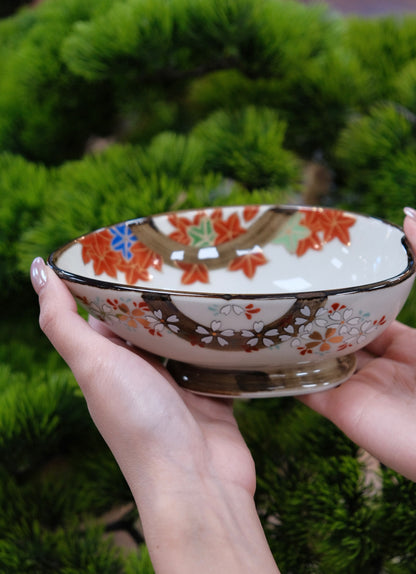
(381, 344)
(409, 225)
(91, 356)
(101, 328)
(59, 318)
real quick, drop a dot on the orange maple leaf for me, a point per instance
(193, 272)
(248, 263)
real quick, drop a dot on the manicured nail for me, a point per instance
(38, 274)
(410, 212)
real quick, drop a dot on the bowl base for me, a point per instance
(283, 381)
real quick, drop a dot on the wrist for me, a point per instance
(202, 524)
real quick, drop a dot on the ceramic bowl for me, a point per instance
(249, 301)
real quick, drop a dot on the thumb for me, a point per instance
(68, 332)
(409, 225)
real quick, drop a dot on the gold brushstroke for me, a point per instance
(258, 234)
(236, 342)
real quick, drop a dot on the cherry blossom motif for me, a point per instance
(113, 303)
(132, 317)
(214, 333)
(343, 329)
(322, 342)
(157, 323)
(330, 329)
(103, 312)
(339, 315)
(295, 340)
(354, 329)
(305, 316)
(248, 310)
(256, 335)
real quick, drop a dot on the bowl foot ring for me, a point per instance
(282, 381)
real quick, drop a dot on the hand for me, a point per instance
(376, 408)
(189, 469)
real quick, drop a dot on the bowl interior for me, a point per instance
(244, 250)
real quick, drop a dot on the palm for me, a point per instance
(376, 407)
(199, 433)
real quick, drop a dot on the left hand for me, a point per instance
(184, 458)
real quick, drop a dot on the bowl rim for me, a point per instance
(407, 272)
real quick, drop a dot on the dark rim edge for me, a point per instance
(114, 286)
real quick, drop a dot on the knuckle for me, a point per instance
(48, 321)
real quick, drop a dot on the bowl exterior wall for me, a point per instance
(246, 333)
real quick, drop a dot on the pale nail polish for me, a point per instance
(410, 212)
(38, 274)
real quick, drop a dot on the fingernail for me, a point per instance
(38, 274)
(410, 212)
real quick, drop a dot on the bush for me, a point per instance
(196, 102)
(36, 86)
(25, 190)
(376, 154)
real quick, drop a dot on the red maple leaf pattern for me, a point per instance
(336, 224)
(250, 212)
(310, 242)
(193, 272)
(248, 263)
(227, 229)
(137, 269)
(325, 225)
(182, 224)
(96, 247)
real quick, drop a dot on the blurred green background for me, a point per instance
(114, 109)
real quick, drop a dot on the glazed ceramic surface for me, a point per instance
(247, 301)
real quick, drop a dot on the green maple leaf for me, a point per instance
(291, 233)
(202, 235)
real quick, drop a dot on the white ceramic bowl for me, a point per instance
(248, 301)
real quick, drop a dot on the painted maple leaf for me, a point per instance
(193, 272)
(248, 263)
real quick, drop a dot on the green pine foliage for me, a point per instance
(201, 102)
(376, 155)
(24, 193)
(404, 89)
(384, 47)
(247, 146)
(50, 455)
(398, 506)
(277, 47)
(316, 496)
(168, 39)
(125, 182)
(31, 67)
